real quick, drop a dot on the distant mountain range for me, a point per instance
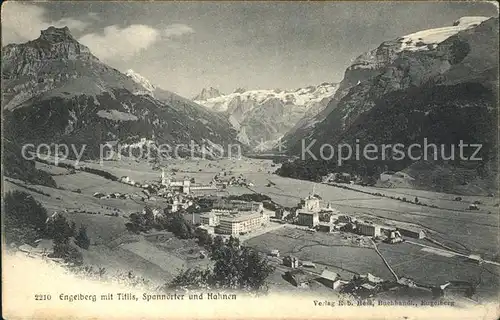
(264, 116)
(440, 84)
(54, 90)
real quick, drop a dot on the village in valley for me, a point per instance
(338, 236)
(345, 157)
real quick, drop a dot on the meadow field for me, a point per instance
(435, 268)
(324, 249)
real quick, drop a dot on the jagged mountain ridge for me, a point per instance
(56, 80)
(207, 93)
(444, 90)
(263, 116)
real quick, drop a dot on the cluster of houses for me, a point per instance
(359, 285)
(177, 202)
(233, 181)
(302, 279)
(229, 217)
(309, 213)
(129, 181)
(363, 286)
(386, 176)
(176, 191)
(116, 195)
(395, 176)
(341, 177)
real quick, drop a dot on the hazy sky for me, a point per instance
(185, 46)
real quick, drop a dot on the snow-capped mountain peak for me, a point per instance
(139, 79)
(470, 21)
(264, 115)
(298, 97)
(438, 57)
(421, 40)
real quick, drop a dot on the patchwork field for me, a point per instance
(443, 200)
(325, 249)
(119, 261)
(432, 267)
(477, 231)
(90, 183)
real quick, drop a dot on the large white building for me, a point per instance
(235, 217)
(241, 222)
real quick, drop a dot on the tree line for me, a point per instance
(235, 268)
(26, 220)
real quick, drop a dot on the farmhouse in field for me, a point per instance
(298, 278)
(127, 180)
(411, 232)
(308, 264)
(475, 258)
(274, 253)
(394, 176)
(99, 195)
(330, 279)
(291, 261)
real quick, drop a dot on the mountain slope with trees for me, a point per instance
(54, 90)
(444, 92)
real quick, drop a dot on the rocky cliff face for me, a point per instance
(405, 62)
(54, 60)
(263, 116)
(439, 84)
(54, 90)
